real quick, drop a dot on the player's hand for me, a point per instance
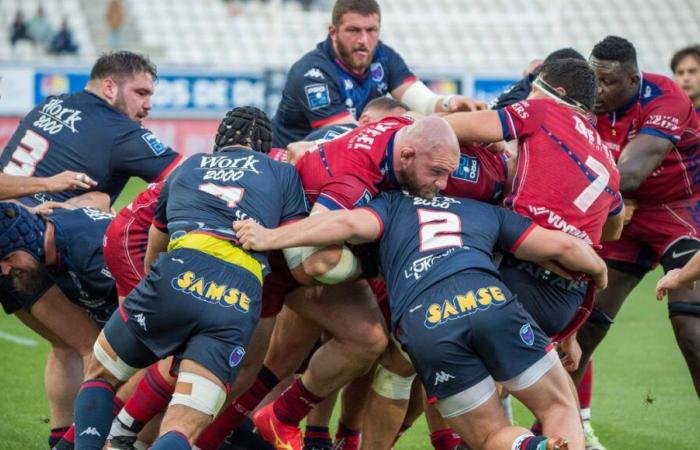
(672, 280)
(68, 180)
(47, 208)
(251, 235)
(295, 150)
(569, 353)
(601, 280)
(459, 103)
(630, 206)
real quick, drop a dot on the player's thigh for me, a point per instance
(478, 425)
(620, 285)
(551, 389)
(254, 357)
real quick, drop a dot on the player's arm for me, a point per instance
(13, 186)
(617, 218)
(418, 97)
(98, 200)
(480, 126)
(335, 227)
(157, 244)
(683, 278)
(572, 253)
(639, 158)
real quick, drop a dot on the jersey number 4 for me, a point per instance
(31, 149)
(438, 229)
(231, 195)
(589, 195)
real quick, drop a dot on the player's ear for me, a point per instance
(332, 30)
(109, 88)
(407, 154)
(560, 90)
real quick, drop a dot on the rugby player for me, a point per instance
(333, 83)
(429, 312)
(652, 128)
(685, 66)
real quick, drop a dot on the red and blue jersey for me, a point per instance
(209, 191)
(321, 89)
(82, 132)
(426, 241)
(660, 108)
(481, 175)
(352, 169)
(566, 177)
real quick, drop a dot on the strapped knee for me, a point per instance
(683, 308)
(390, 385)
(679, 254)
(600, 319)
(198, 393)
(111, 361)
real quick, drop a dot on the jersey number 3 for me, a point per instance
(231, 195)
(31, 149)
(438, 229)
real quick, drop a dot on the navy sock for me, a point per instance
(93, 414)
(56, 435)
(317, 438)
(172, 440)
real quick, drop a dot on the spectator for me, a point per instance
(115, 21)
(62, 42)
(19, 29)
(39, 29)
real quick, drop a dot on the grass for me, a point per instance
(643, 396)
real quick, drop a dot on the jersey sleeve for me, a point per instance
(160, 218)
(318, 95)
(399, 73)
(140, 153)
(295, 204)
(382, 207)
(521, 119)
(616, 206)
(346, 191)
(667, 117)
(513, 230)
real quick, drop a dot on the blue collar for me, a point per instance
(390, 174)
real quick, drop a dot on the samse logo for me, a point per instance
(211, 292)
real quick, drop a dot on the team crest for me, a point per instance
(364, 199)
(377, 71)
(527, 334)
(236, 356)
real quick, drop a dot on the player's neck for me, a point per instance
(50, 245)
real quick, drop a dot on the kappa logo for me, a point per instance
(141, 320)
(314, 73)
(348, 84)
(91, 431)
(442, 377)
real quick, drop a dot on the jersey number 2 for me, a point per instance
(438, 229)
(31, 149)
(231, 195)
(593, 191)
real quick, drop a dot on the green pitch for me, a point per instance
(643, 397)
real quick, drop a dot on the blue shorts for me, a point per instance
(466, 328)
(550, 299)
(193, 306)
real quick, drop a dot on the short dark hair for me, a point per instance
(615, 48)
(121, 65)
(563, 53)
(245, 125)
(385, 104)
(361, 7)
(692, 50)
(575, 76)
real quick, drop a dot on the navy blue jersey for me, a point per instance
(320, 89)
(431, 240)
(209, 191)
(82, 132)
(330, 132)
(517, 92)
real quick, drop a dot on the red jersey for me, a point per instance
(350, 170)
(142, 209)
(566, 178)
(481, 175)
(660, 108)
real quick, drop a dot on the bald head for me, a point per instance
(425, 154)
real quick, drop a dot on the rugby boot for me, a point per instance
(592, 442)
(557, 443)
(121, 443)
(283, 436)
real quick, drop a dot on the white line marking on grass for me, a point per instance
(18, 340)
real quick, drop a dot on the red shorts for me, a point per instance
(653, 230)
(124, 251)
(277, 285)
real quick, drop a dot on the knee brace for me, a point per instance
(112, 362)
(392, 386)
(600, 319)
(198, 393)
(683, 308)
(678, 254)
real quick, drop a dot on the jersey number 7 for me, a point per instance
(589, 195)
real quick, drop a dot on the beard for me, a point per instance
(346, 55)
(412, 185)
(29, 281)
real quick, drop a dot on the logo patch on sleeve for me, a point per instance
(365, 198)
(468, 169)
(317, 95)
(156, 145)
